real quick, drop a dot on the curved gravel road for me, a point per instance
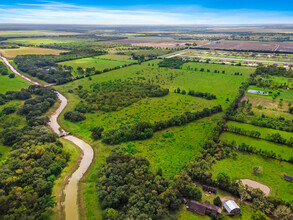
(71, 189)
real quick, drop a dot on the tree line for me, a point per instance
(204, 95)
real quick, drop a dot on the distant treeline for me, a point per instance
(273, 70)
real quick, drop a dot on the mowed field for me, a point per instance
(12, 84)
(11, 53)
(169, 152)
(273, 170)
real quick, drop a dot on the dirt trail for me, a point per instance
(71, 189)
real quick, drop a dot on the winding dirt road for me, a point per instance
(71, 189)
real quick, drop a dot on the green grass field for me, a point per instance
(114, 57)
(173, 153)
(285, 151)
(99, 64)
(12, 84)
(273, 170)
(45, 40)
(33, 33)
(264, 131)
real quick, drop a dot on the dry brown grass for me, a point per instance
(11, 53)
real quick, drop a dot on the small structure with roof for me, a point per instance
(209, 189)
(288, 178)
(258, 92)
(231, 207)
(203, 208)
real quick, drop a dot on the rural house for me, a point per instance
(231, 207)
(203, 208)
(209, 189)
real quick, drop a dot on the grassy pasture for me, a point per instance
(169, 153)
(12, 84)
(287, 96)
(11, 53)
(273, 170)
(285, 151)
(99, 64)
(33, 33)
(114, 57)
(264, 131)
(44, 40)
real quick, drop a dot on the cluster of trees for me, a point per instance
(35, 160)
(174, 62)
(144, 130)
(45, 67)
(114, 95)
(270, 84)
(128, 189)
(273, 70)
(74, 116)
(3, 69)
(204, 95)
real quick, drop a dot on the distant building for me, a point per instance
(288, 178)
(209, 189)
(203, 208)
(232, 207)
(252, 91)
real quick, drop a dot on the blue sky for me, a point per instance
(147, 12)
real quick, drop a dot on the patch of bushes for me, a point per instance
(74, 116)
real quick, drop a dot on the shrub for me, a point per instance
(74, 116)
(257, 170)
(217, 201)
(12, 75)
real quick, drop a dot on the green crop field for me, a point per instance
(285, 151)
(273, 170)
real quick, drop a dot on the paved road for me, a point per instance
(71, 189)
(234, 59)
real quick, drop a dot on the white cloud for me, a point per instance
(61, 13)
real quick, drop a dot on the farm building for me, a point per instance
(232, 207)
(257, 92)
(209, 189)
(288, 178)
(203, 208)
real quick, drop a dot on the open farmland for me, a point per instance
(33, 33)
(273, 170)
(11, 53)
(96, 62)
(284, 151)
(265, 46)
(16, 83)
(45, 40)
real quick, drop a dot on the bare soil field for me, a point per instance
(256, 185)
(152, 43)
(269, 46)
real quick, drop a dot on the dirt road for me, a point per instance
(71, 189)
